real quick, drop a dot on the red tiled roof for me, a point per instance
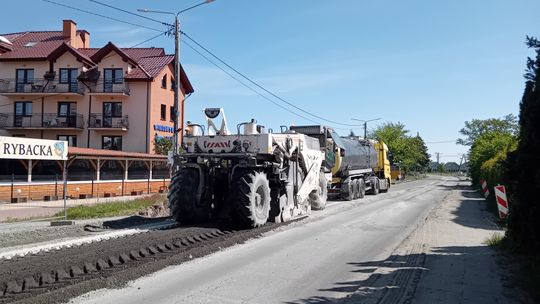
(148, 62)
(46, 42)
(75, 151)
(150, 66)
(64, 47)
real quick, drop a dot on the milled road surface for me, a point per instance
(341, 254)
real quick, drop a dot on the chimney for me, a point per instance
(85, 37)
(69, 29)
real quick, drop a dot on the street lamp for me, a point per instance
(365, 124)
(177, 69)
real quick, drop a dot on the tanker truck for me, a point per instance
(358, 166)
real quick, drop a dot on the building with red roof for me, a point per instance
(53, 85)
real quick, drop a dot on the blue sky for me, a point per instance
(429, 64)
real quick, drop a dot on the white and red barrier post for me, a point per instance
(485, 189)
(502, 201)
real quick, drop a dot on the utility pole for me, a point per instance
(177, 73)
(365, 124)
(438, 157)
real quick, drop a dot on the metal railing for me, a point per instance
(41, 120)
(98, 120)
(109, 87)
(40, 85)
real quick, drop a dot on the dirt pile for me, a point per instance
(159, 209)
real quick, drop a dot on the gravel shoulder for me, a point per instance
(445, 260)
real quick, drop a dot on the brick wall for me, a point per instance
(37, 191)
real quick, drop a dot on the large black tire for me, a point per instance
(318, 198)
(250, 198)
(361, 188)
(188, 203)
(374, 186)
(349, 195)
(387, 185)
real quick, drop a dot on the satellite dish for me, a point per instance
(5, 40)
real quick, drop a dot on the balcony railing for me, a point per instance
(100, 121)
(41, 120)
(111, 88)
(40, 86)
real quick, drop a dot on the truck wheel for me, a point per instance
(318, 198)
(376, 186)
(356, 189)
(188, 203)
(349, 195)
(387, 181)
(361, 188)
(251, 199)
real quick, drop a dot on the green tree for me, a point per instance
(351, 134)
(476, 127)
(162, 145)
(411, 152)
(486, 147)
(524, 164)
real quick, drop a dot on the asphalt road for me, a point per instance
(310, 261)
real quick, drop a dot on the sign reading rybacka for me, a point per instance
(31, 148)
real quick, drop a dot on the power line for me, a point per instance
(206, 50)
(102, 16)
(131, 13)
(245, 85)
(264, 89)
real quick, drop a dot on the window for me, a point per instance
(71, 139)
(22, 109)
(163, 112)
(69, 111)
(111, 77)
(164, 82)
(110, 110)
(172, 83)
(111, 143)
(67, 108)
(171, 114)
(23, 77)
(69, 76)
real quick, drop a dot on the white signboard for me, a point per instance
(32, 148)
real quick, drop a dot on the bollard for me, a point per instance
(56, 185)
(12, 181)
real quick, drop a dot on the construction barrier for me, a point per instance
(484, 188)
(502, 201)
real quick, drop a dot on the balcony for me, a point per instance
(98, 121)
(110, 89)
(40, 87)
(38, 121)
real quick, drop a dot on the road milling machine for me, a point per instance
(251, 177)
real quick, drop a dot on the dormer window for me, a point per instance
(164, 82)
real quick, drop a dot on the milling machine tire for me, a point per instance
(318, 198)
(250, 199)
(188, 203)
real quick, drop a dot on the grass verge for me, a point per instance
(110, 209)
(525, 268)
